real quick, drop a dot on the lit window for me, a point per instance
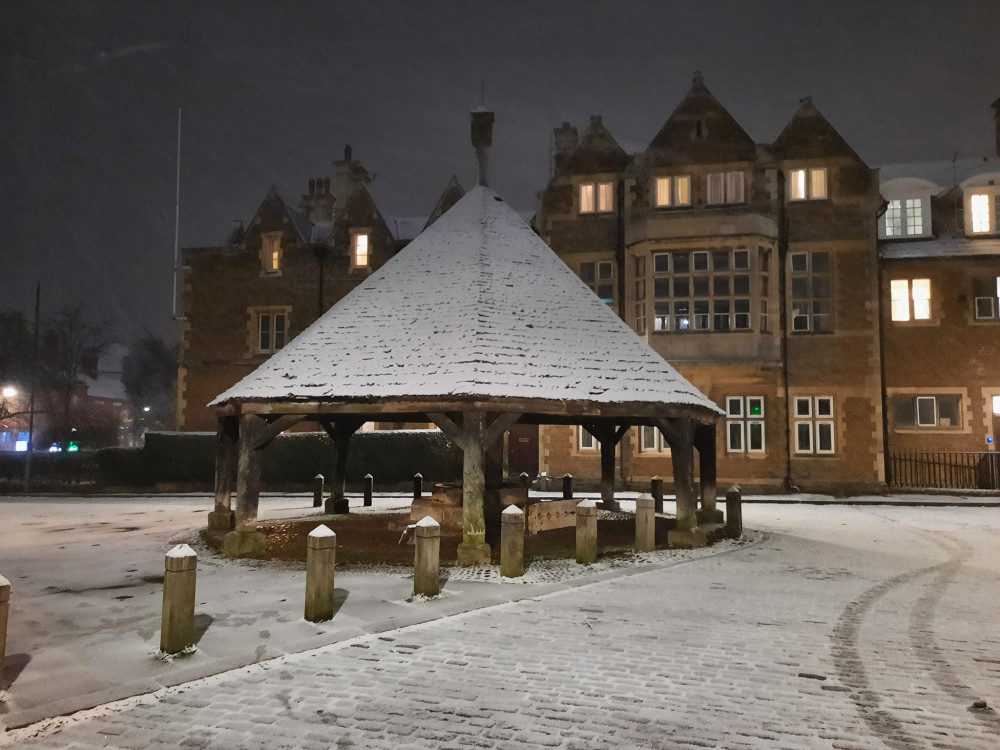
(270, 252)
(587, 442)
(807, 184)
(596, 197)
(673, 191)
(904, 218)
(812, 297)
(745, 424)
(927, 411)
(894, 219)
(725, 187)
(272, 329)
(980, 205)
(911, 300)
(914, 216)
(814, 426)
(360, 250)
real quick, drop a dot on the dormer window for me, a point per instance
(807, 184)
(673, 191)
(270, 252)
(360, 250)
(979, 210)
(596, 197)
(904, 218)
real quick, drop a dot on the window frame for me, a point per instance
(277, 336)
(741, 423)
(724, 189)
(807, 190)
(914, 312)
(356, 235)
(272, 253)
(585, 441)
(811, 301)
(591, 197)
(817, 423)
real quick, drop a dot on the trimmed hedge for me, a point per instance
(391, 456)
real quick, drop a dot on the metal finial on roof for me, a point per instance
(698, 79)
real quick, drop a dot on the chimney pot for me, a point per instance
(348, 151)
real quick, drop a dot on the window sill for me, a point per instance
(270, 274)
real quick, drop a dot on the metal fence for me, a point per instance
(945, 470)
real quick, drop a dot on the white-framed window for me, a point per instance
(360, 249)
(725, 187)
(596, 197)
(599, 276)
(702, 290)
(904, 217)
(651, 440)
(812, 294)
(640, 318)
(814, 424)
(673, 191)
(270, 253)
(938, 411)
(987, 299)
(745, 424)
(911, 299)
(979, 208)
(807, 184)
(272, 331)
(586, 441)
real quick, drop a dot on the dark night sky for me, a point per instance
(272, 91)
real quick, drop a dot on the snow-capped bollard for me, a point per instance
(586, 532)
(567, 486)
(179, 579)
(369, 487)
(418, 485)
(321, 559)
(525, 484)
(512, 542)
(318, 481)
(734, 512)
(4, 614)
(656, 490)
(645, 524)
(426, 558)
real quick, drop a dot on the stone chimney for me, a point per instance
(482, 139)
(318, 204)
(566, 140)
(996, 117)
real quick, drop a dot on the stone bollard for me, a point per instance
(525, 484)
(321, 560)
(567, 486)
(4, 614)
(512, 542)
(418, 485)
(369, 487)
(656, 490)
(318, 481)
(426, 558)
(645, 524)
(586, 532)
(177, 623)
(734, 512)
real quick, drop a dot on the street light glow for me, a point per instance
(9, 391)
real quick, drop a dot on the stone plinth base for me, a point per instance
(474, 554)
(337, 506)
(244, 544)
(696, 537)
(709, 516)
(221, 520)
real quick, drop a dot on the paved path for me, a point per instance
(847, 628)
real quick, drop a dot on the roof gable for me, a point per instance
(477, 307)
(451, 194)
(597, 152)
(700, 131)
(809, 135)
(272, 213)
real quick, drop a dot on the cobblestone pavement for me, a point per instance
(846, 628)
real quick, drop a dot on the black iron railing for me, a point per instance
(945, 470)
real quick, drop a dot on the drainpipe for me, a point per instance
(783, 318)
(879, 276)
(620, 248)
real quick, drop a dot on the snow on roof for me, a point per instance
(476, 307)
(945, 173)
(940, 247)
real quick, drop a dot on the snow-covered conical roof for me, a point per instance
(477, 308)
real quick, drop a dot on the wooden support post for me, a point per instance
(704, 441)
(369, 487)
(586, 532)
(341, 432)
(222, 518)
(473, 550)
(512, 542)
(567, 486)
(645, 524)
(418, 485)
(179, 583)
(321, 561)
(318, 482)
(4, 617)
(687, 503)
(734, 512)
(656, 489)
(246, 541)
(427, 557)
